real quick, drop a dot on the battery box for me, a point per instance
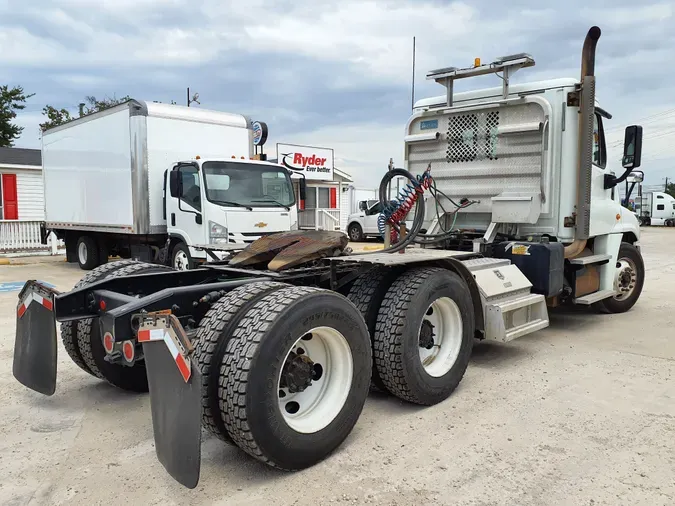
(542, 263)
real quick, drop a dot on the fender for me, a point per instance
(459, 268)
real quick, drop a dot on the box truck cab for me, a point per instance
(106, 179)
(219, 202)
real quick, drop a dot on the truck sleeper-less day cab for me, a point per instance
(274, 348)
(106, 175)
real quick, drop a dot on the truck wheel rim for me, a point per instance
(82, 253)
(354, 234)
(440, 337)
(625, 278)
(180, 261)
(315, 380)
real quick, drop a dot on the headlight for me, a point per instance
(217, 233)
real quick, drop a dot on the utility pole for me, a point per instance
(412, 105)
(666, 190)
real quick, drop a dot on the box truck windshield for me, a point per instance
(247, 185)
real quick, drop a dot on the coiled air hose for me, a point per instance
(395, 210)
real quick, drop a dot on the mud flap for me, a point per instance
(35, 343)
(175, 395)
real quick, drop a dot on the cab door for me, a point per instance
(184, 205)
(605, 203)
(370, 220)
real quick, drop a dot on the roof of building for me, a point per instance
(20, 156)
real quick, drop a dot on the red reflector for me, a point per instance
(108, 342)
(102, 305)
(128, 350)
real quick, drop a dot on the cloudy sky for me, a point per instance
(334, 73)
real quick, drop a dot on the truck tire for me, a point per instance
(132, 378)
(213, 334)
(355, 232)
(421, 301)
(631, 277)
(181, 260)
(295, 376)
(87, 253)
(367, 294)
(69, 329)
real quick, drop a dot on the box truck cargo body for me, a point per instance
(106, 191)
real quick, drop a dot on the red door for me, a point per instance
(9, 198)
(333, 198)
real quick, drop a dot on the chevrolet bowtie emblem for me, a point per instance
(261, 224)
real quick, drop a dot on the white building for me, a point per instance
(323, 206)
(21, 199)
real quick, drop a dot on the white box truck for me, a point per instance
(107, 179)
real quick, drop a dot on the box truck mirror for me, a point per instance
(175, 184)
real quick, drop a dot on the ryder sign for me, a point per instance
(314, 163)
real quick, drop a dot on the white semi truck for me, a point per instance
(655, 209)
(107, 178)
(274, 348)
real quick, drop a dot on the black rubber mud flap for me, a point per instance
(35, 343)
(175, 396)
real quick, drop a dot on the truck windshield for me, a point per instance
(247, 185)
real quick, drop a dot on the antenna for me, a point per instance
(193, 98)
(412, 105)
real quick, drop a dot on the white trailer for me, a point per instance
(105, 179)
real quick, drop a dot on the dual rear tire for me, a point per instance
(421, 324)
(285, 371)
(83, 341)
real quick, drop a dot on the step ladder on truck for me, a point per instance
(274, 348)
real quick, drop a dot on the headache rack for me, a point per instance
(508, 65)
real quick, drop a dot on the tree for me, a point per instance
(54, 117)
(670, 189)
(11, 100)
(91, 105)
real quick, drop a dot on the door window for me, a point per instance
(191, 187)
(310, 198)
(599, 148)
(376, 209)
(661, 207)
(324, 198)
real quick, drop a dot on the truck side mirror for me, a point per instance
(363, 205)
(632, 147)
(175, 184)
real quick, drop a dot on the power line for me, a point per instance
(645, 120)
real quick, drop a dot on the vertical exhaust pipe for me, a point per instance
(585, 160)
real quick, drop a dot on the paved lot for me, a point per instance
(582, 413)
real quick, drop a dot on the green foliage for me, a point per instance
(11, 100)
(670, 189)
(91, 105)
(54, 117)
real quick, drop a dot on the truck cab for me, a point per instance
(531, 162)
(220, 201)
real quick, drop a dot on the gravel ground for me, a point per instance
(581, 413)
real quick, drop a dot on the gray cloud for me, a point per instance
(336, 72)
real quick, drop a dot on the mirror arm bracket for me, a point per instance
(611, 180)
